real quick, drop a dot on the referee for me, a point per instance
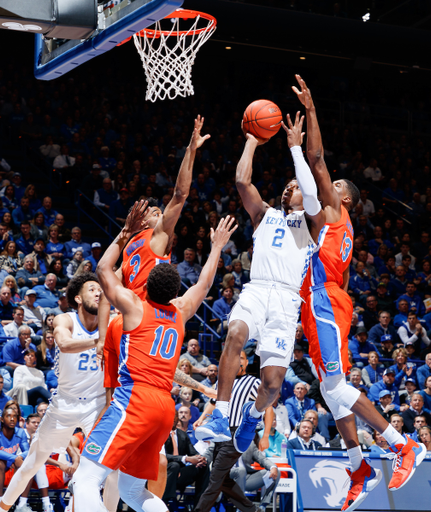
(225, 456)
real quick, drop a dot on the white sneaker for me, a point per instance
(24, 508)
(50, 508)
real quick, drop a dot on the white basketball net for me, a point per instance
(169, 69)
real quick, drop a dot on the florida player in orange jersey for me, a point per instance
(326, 318)
(139, 418)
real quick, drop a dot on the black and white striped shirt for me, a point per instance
(244, 389)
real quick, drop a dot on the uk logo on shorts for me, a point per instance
(332, 367)
(281, 344)
(93, 448)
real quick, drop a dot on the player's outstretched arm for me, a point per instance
(185, 380)
(250, 196)
(123, 299)
(315, 152)
(192, 299)
(63, 328)
(165, 226)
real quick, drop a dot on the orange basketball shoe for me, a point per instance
(362, 482)
(406, 459)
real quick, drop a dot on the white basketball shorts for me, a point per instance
(270, 311)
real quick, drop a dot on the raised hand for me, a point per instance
(197, 140)
(294, 131)
(223, 232)
(249, 136)
(134, 219)
(304, 95)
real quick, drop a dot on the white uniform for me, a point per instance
(269, 304)
(80, 395)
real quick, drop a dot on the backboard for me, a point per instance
(117, 20)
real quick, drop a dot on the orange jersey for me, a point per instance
(139, 260)
(111, 352)
(149, 354)
(332, 255)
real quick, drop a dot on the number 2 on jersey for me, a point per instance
(135, 262)
(279, 236)
(84, 362)
(165, 343)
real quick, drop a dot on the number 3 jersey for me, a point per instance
(79, 375)
(282, 248)
(139, 260)
(149, 354)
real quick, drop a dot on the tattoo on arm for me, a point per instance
(185, 380)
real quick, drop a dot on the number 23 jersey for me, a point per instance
(282, 248)
(79, 375)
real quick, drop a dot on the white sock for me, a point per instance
(393, 437)
(355, 457)
(222, 407)
(22, 502)
(45, 503)
(254, 412)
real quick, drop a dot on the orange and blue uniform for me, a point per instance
(138, 261)
(327, 312)
(141, 414)
(54, 473)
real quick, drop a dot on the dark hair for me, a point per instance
(75, 286)
(32, 415)
(17, 308)
(163, 283)
(354, 193)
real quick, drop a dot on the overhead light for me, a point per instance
(301, 58)
(228, 48)
(366, 17)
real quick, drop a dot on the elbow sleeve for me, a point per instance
(306, 182)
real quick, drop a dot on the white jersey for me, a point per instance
(79, 375)
(282, 248)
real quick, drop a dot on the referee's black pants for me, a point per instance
(224, 459)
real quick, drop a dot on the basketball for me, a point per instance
(262, 118)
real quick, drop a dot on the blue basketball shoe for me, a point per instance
(216, 430)
(246, 431)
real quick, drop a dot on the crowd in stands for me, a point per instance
(116, 148)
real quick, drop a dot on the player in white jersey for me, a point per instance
(267, 309)
(80, 395)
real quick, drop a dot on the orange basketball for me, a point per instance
(262, 118)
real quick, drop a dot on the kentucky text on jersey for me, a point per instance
(284, 222)
(134, 245)
(168, 315)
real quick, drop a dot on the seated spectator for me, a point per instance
(31, 195)
(298, 404)
(404, 251)
(185, 366)
(9, 200)
(63, 306)
(382, 328)
(360, 346)
(240, 277)
(384, 299)
(378, 241)
(41, 409)
(3, 397)
(33, 315)
(275, 439)
(25, 241)
(27, 277)
(74, 264)
(54, 247)
(6, 305)
(413, 333)
(96, 254)
(63, 231)
(185, 397)
(10, 260)
(413, 299)
(397, 285)
(387, 383)
(11, 329)
(119, 209)
(373, 372)
(301, 369)
(380, 444)
(46, 352)
(356, 378)
(48, 213)
(423, 372)
(280, 411)
(305, 430)
(424, 436)
(426, 393)
(84, 266)
(223, 307)
(4, 236)
(23, 212)
(56, 267)
(13, 404)
(360, 283)
(38, 227)
(13, 287)
(46, 294)
(401, 317)
(416, 409)
(41, 259)
(28, 382)
(210, 380)
(300, 339)
(188, 270)
(398, 423)
(13, 350)
(406, 395)
(387, 347)
(105, 196)
(199, 362)
(77, 244)
(385, 407)
(185, 466)
(401, 368)
(370, 314)
(314, 418)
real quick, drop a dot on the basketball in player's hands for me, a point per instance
(262, 118)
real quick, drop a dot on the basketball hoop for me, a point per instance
(168, 55)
